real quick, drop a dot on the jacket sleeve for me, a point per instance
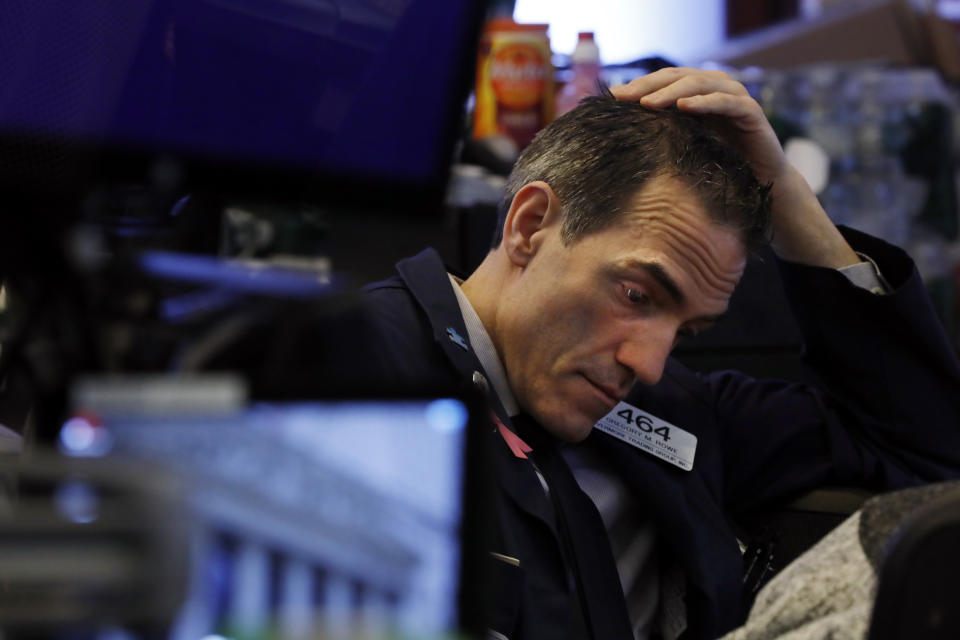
(886, 412)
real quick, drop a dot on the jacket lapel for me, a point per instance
(426, 277)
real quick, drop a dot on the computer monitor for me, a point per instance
(341, 103)
(337, 518)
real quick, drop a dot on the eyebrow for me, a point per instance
(658, 273)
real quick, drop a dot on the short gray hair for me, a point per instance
(598, 156)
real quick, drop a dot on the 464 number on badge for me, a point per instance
(644, 423)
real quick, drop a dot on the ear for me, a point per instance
(534, 211)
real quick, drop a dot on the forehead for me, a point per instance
(669, 200)
(666, 224)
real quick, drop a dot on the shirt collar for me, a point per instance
(486, 352)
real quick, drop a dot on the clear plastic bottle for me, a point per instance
(586, 73)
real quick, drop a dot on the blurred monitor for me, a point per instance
(317, 518)
(337, 102)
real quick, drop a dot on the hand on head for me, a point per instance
(714, 93)
(802, 231)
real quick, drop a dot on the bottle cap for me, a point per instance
(586, 51)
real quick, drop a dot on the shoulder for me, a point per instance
(394, 311)
(403, 331)
(400, 304)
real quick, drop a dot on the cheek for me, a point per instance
(556, 330)
(561, 339)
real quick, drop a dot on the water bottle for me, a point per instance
(586, 73)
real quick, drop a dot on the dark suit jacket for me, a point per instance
(890, 419)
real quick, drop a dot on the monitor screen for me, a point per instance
(285, 98)
(337, 518)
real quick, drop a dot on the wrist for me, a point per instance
(802, 230)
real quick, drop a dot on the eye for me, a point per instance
(636, 296)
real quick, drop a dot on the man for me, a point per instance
(626, 228)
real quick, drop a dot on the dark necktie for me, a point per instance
(582, 536)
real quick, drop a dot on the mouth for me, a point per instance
(610, 395)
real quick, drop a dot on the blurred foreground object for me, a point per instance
(181, 508)
(89, 544)
(886, 573)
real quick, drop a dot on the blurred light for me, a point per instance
(245, 277)
(811, 160)
(77, 502)
(179, 206)
(949, 9)
(79, 437)
(77, 434)
(446, 415)
(10, 440)
(626, 30)
(195, 303)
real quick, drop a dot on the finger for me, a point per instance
(740, 108)
(657, 80)
(693, 85)
(741, 121)
(663, 77)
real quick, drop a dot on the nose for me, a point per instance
(645, 352)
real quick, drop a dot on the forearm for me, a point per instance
(802, 231)
(886, 406)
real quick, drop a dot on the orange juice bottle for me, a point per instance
(514, 94)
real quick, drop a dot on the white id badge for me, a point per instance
(648, 432)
